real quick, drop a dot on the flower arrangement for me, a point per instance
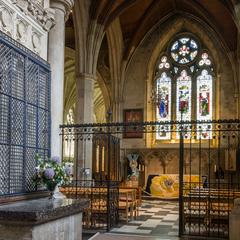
(51, 172)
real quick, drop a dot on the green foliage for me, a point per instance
(51, 172)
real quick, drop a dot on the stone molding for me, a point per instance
(64, 5)
(35, 9)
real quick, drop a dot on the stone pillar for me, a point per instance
(234, 221)
(85, 111)
(56, 47)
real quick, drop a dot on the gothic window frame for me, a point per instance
(194, 69)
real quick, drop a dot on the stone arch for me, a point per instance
(89, 34)
(115, 42)
(208, 37)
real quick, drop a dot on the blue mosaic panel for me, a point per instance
(31, 132)
(16, 169)
(4, 169)
(43, 89)
(32, 83)
(5, 67)
(4, 119)
(42, 129)
(17, 122)
(17, 87)
(24, 115)
(30, 165)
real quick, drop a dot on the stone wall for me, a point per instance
(166, 161)
(140, 72)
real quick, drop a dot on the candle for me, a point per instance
(97, 158)
(103, 159)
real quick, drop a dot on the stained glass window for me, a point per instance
(204, 99)
(184, 96)
(163, 106)
(190, 68)
(164, 63)
(184, 50)
(204, 60)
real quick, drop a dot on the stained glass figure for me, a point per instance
(164, 98)
(163, 107)
(204, 99)
(184, 50)
(184, 98)
(184, 88)
(204, 94)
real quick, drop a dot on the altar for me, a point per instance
(42, 219)
(166, 186)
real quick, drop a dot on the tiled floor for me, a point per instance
(157, 219)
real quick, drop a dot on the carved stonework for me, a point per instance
(21, 31)
(40, 2)
(35, 8)
(17, 21)
(36, 42)
(6, 23)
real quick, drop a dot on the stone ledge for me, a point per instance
(34, 212)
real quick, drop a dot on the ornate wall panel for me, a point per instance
(27, 22)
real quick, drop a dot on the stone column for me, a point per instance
(85, 111)
(56, 47)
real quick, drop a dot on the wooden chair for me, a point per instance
(138, 195)
(127, 202)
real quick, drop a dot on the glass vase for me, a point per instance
(55, 193)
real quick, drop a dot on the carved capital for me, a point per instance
(64, 5)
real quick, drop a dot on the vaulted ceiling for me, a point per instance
(137, 17)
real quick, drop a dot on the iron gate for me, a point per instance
(209, 176)
(208, 155)
(95, 152)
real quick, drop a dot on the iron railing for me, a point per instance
(208, 156)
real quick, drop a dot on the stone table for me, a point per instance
(42, 219)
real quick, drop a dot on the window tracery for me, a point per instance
(183, 86)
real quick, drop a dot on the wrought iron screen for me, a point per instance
(209, 177)
(207, 157)
(24, 115)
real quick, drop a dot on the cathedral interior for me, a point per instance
(138, 98)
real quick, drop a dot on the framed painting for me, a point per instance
(134, 116)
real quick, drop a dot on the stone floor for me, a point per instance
(112, 236)
(156, 219)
